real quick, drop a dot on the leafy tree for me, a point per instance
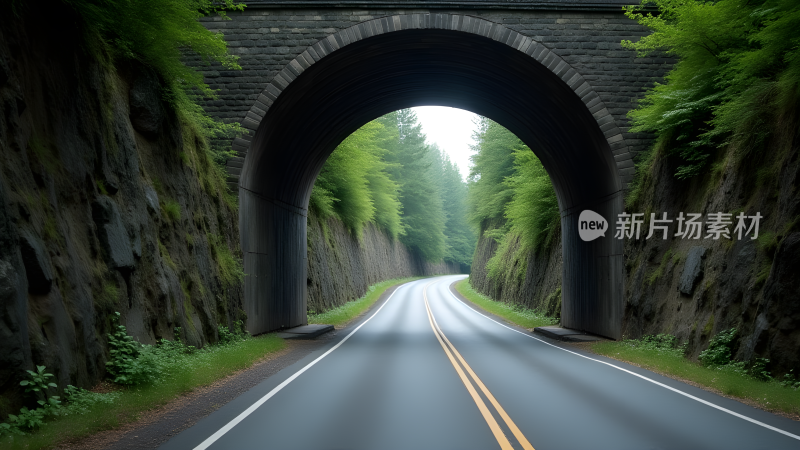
(459, 237)
(511, 198)
(738, 69)
(354, 185)
(533, 210)
(492, 163)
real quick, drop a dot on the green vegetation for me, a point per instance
(408, 188)
(751, 382)
(176, 369)
(524, 317)
(165, 254)
(172, 210)
(738, 74)
(341, 315)
(231, 271)
(127, 363)
(511, 199)
(160, 34)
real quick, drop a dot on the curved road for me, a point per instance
(425, 371)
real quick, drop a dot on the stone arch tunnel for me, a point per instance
(381, 65)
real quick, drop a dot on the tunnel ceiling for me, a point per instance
(374, 76)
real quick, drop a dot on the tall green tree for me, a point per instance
(459, 236)
(492, 163)
(410, 162)
(355, 187)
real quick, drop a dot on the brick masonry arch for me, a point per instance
(360, 72)
(455, 22)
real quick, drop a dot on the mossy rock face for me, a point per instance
(114, 239)
(82, 234)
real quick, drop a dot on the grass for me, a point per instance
(524, 317)
(341, 315)
(184, 374)
(768, 395)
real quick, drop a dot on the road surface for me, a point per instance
(425, 371)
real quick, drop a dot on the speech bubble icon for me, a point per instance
(591, 225)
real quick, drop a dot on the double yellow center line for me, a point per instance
(450, 350)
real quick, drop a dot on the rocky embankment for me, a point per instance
(108, 202)
(696, 288)
(341, 266)
(534, 281)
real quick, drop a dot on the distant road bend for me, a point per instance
(426, 371)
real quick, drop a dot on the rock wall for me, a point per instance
(108, 202)
(341, 266)
(534, 280)
(696, 288)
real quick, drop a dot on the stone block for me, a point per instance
(114, 239)
(37, 264)
(692, 270)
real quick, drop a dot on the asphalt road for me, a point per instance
(426, 371)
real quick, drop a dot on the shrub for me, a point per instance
(720, 349)
(235, 334)
(128, 364)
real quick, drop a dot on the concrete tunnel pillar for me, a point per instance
(274, 248)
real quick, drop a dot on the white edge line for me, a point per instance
(214, 437)
(733, 413)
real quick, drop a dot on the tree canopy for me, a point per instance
(738, 69)
(385, 173)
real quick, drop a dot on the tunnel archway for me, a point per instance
(396, 62)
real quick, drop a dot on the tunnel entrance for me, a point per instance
(383, 65)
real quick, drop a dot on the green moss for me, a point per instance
(709, 327)
(189, 240)
(50, 230)
(659, 272)
(231, 271)
(106, 298)
(101, 187)
(165, 255)
(45, 152)
(767, 242)
(762, 275)
(158, 186)
(172, 210)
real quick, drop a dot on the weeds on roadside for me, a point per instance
(661, 343)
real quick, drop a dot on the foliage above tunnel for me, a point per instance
(160, 34)
(738, 69)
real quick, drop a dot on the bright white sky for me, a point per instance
(451, 129)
